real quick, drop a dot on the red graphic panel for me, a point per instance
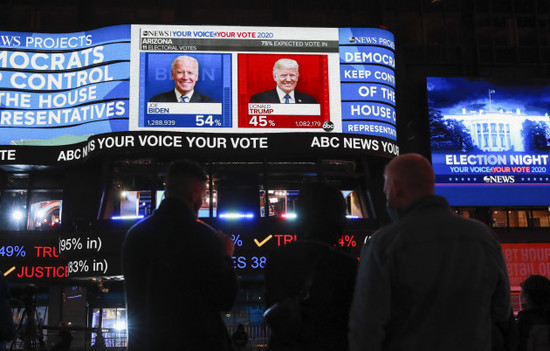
(255, 75)
(526, 259)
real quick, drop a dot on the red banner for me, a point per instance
(526, 259)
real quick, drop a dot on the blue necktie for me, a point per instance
(287, 99)
(185, 99)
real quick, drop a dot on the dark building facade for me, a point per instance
(439, 38)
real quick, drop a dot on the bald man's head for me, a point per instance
(407, 177)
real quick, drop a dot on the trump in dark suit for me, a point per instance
(185, 72)
(285, 74)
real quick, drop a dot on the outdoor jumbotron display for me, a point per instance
(195, 87)
(490, 141)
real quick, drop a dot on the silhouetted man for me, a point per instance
(179, 272)
(431, 280)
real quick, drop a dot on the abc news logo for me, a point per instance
(499, 179)
(328, 126)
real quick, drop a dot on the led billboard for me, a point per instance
(60, 88)
(490, 141)
(345, 80)
(73, 91)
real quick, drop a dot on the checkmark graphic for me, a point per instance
(261, 243)
(9, 271)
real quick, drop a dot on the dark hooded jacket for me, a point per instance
(178, 282)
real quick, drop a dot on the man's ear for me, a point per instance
(197, 192)
(397, 189)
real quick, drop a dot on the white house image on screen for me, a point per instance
(496, 130)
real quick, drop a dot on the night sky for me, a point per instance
(452, 94)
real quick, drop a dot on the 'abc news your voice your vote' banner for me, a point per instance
(62, 89)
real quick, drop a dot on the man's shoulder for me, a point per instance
(470, 226)
(168, 96)
(304, 98)
(201, 98)
(203, 227)
(444, 224)
(200, 233)
(142, 228)
(385, 235)
(266, 96)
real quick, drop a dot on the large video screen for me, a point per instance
(490, 141)
(66, 89)
(60, 88)
(338, 80)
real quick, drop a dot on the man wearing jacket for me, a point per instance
(431, 280)
(185, 73)
(286, 75)
(178, 272)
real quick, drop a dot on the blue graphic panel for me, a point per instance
(369, 128)
(367, 73)
(491, 136)
(61, 88)
(214, 81)
(370, 92)
(367, 76)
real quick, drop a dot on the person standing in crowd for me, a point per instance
(178, 272)
(431, 280)
(240, 337)
(320, 216)
(64, 338)
(535, 298)
(7, 326)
